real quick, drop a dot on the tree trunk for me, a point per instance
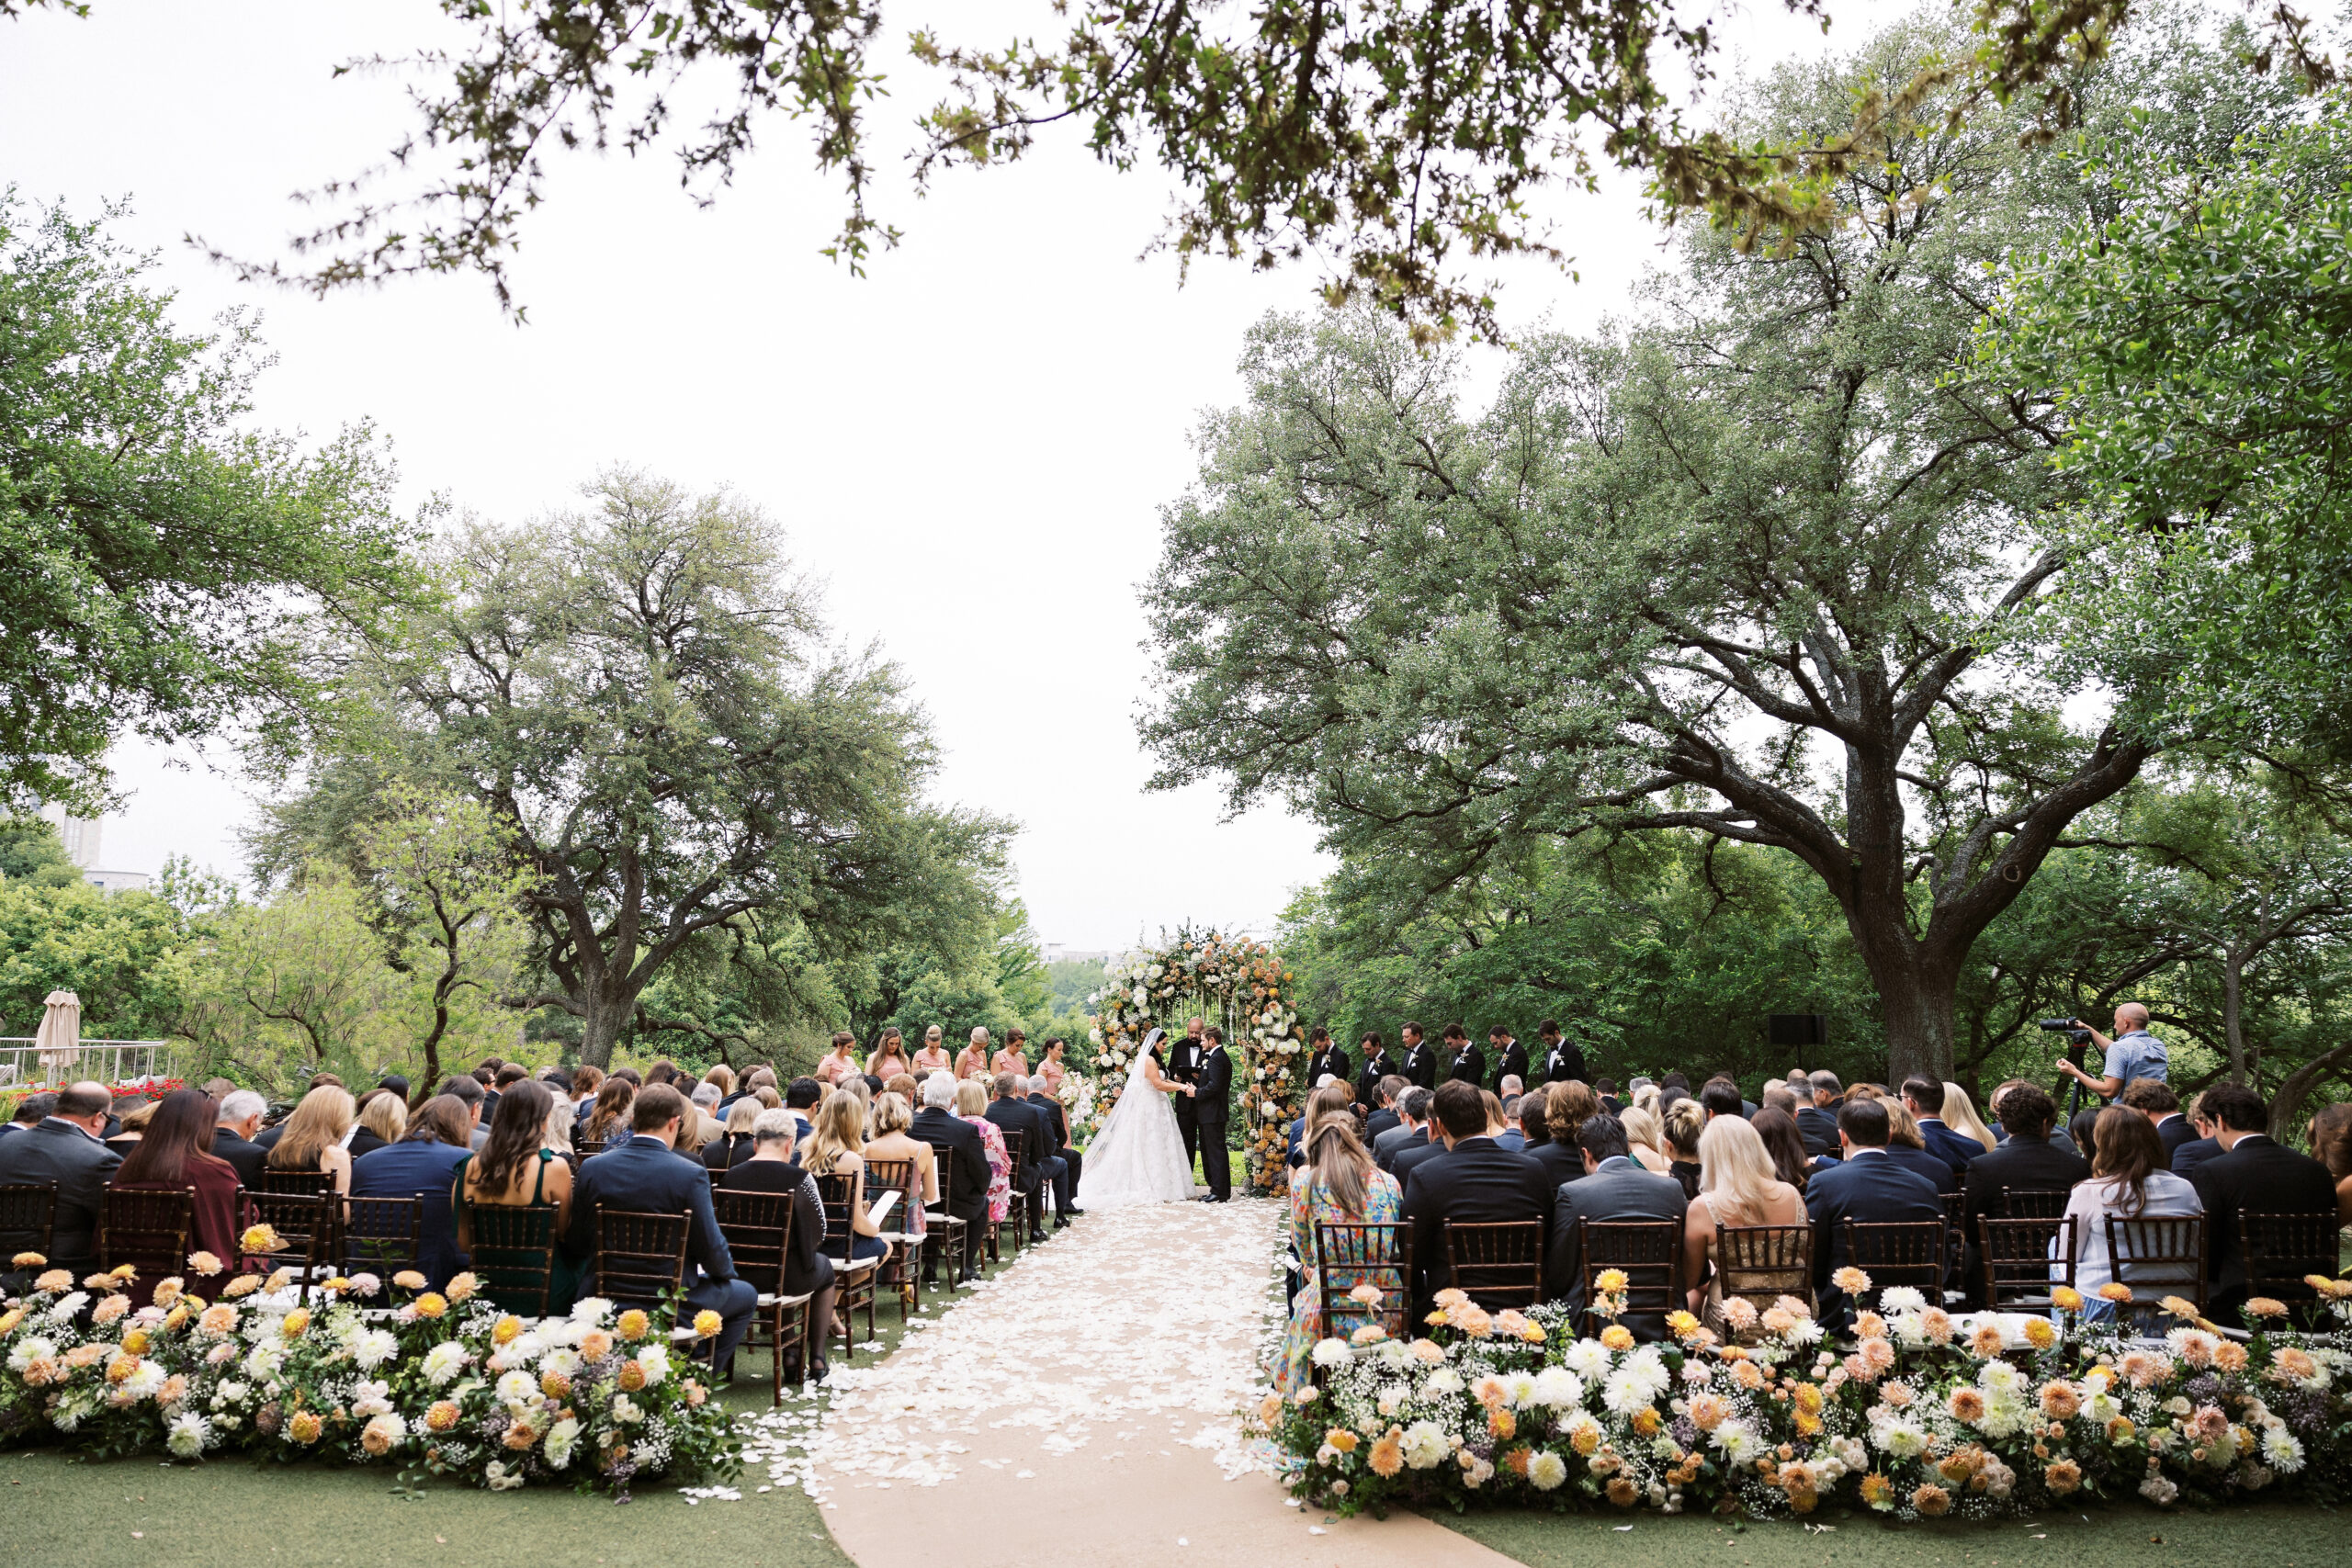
(1915, 985)
(2233, 998)
(600, 1026)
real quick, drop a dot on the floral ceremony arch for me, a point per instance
(1235, 983)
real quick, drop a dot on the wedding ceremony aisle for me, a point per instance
(1084, 1400)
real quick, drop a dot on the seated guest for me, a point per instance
(132, 1120)
(468, 1089)
(1473, 1180)
(1605, 1089)
(1383, 1114)
(2027, 1162)
(2200, 1148)
(962, 1161)
(1009, 1110)
(2058, 1136)
(643, 1177)
(736, 1141)
(707, 1126)
(176, 1154)
(381, 1121)
(807, 1270)
(1738, 1186)
(1682, 1123)
(2331, 1136)
(2082, 1127)
(1720, 1097)
(1412, 1128)
(1782, 1145)
(31, 1112)
(835, 1146)
(1960, 1114)
(522, 1168)
(422, 1166)
(587, 1082)
(239, 1112)
(1780, 1097)
(1498, 1125)
(1509, 1091)
(609, 1123)
(1923, 1098)
(1430, 1146)
(65, 1149)
(2153, 1098)
(1615, 1189)
(1339, 1185)
(1566, 1106)
(1817, 1117)
(801, 1097)
(1534, 1132)
(312, 1139)
(1906, 1145)
(1867, 1187)
(2255, 1174)
(2128, 1181)
(724, 1076)
(891, 1140)
(1643, 1135)
(1042, 1100)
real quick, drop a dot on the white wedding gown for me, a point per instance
(1138, 1155)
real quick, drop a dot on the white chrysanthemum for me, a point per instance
(1520, 1387)
(1624, 1391)
(27, 1351)
(1556, 1387)
(1997, 1377)
(1737, 1441)
(443, 1362)
(563, 1360)
(2006, 1414)
(591, 1311)
(1391, 1354)
(1648, 1368)
(2103, 1408)
(1807, 1331)
(64, 1307)
(560, 1436)
(1589, 1359)
(1546, 1470)
(1442, 1382)
(2281, 1449)
(1903, 1439)
(373, 1346)
(1330, 1353)
(517, 1387)
(1910, 1328)
(263, 1362)
(1424, 1445)
(145, 1381)
(187, 1435)
(655, 1360)
(1900, 1298)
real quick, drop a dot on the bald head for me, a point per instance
(86, 1105)
(2130, 1016)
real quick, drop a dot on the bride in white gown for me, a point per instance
(1139, 1154)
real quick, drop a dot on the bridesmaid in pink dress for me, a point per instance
(889, 1057)
(1051, 1069)
(1012, 1059)
(841, 1063)
(972, 1062)
(933, 1057)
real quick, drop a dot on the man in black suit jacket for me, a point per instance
(962, 1159)
(1817, 1121)
(1376, 1067)
(1326, 1057)
(1563, 1059)
(1925, 1097)
(643, 1176)
(1464, 1062)
(1383, 1116)
(2256, 1175)
(63, 1149)
(1045, 1105)
(1608, 1189)
(1211, 1098)
(2028, 1162)
(1411, 1132)
(1510, 1057)
(1421, 1058)
(2200, 1148)
(239, 1118)
(1472, 1180)
(2153, 1098)
(1012, 1113)
(1867, 1188)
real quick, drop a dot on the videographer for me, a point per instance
(2134, 1052)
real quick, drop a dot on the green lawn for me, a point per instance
(127, 1512)
(2125, 1536)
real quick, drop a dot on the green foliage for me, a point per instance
(30, 852)
(132, 958)
(164, 557)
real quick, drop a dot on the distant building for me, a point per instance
(1057, 954)
(80, 836)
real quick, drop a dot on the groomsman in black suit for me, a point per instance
(1510, 1057)
(1184, 1066)
(1211, 1107)
(1563, 1061)
(1467, 1062)
(1375, 1067)
(1327, 1058)
(1421, 1058)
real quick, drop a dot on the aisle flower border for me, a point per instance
(367, 1372)
(1920, 1415)
(1234, 982)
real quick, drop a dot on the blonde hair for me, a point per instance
(1646, 1098)
(1902, 1127)
(323, 1118)
(933, 1035)
(386, 1117)
(1336, 1162)
(767, 1096)
(1960, 1115)
(1641, 1127)
(971, 1099)
(1684, 1122)
(891, 1114)
(839, 1130)
(1735, 1172)
(724, 1076)
(743, 1114)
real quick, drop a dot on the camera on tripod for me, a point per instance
(2077, 1036)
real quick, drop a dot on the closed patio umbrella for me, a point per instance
(58, 1042)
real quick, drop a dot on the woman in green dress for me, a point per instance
(522, 1166)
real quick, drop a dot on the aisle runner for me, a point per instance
(1084, 1400)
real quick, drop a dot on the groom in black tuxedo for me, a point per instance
(1209, 1101)
(1184, 1066)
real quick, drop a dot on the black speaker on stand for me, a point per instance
(1797, 1029)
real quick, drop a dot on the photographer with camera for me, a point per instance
(2133, 1054)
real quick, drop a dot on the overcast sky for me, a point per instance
(967, 446)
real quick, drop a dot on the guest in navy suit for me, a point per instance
(2153, 1098)
(421, 1165)
(1471, 1179)
(643, 1176)
(1817, 1112)
(1925, 1097)
(1866, 1187)
(2200, 1148)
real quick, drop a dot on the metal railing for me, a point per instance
(25, 1067)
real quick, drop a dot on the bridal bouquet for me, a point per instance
(441, 1383)
(1921, 1414)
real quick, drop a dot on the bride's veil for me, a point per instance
(1143, 1055)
